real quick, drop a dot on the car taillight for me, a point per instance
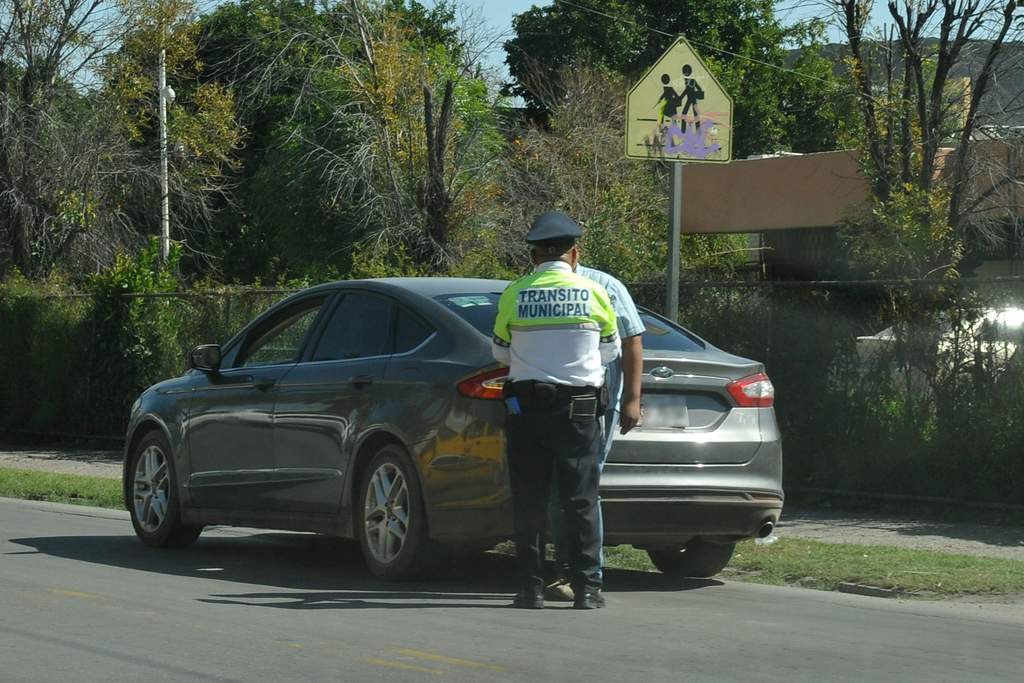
(486, 385)
(755, 391)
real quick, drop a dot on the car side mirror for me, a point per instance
(205, 357)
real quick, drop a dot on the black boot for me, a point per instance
(588, 598)
(529, 598)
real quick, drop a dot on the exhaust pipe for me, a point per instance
(766, 529)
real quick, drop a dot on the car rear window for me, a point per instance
(479, 310)
(661, 335)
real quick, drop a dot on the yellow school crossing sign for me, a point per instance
(678, 111)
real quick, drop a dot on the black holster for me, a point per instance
(578, 403)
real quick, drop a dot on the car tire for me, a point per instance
(698, 559)
(155, 506)
(391, 518)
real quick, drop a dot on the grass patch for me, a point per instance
(61, 488)
(814, 564)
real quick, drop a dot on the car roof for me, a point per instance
(433, 286)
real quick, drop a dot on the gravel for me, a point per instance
(93, 463)
(948, 537)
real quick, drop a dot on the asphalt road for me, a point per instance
(82, 600)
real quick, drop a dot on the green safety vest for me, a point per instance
(552, 299)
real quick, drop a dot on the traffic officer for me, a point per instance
(622, 383)
(556, 331)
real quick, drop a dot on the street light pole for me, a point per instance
(165, 207)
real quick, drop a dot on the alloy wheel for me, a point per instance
(152, 489)
(386, 513)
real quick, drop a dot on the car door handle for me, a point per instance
(361, 380)
(264, 383)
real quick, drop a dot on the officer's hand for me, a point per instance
(629, 416)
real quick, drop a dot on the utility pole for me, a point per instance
(166, 96)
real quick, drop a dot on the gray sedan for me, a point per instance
(372, 410)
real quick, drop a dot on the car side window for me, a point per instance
(280, 339)
(410, 330)
(359, 327)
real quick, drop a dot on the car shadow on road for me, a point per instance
(305, 571)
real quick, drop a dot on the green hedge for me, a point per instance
(930, 412)
(73, 364)
(45, 356)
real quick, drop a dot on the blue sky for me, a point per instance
(499, 13)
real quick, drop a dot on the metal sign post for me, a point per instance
(674, 237)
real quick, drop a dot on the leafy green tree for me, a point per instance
(778, 105)
(928, 209)
(343, 164)
(282, 219)
(78, 154)
(816, 105)
(54, 133)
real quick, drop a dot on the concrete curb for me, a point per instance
(869, 591)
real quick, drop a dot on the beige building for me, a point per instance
(794, 203)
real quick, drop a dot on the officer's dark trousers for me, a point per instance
(545, 445)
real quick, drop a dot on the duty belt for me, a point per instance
(581, 403)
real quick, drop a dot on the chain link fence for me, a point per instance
(903, 388)
(898, 388)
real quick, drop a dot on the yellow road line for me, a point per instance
(73, 594)
(450, 660)
(400, 665)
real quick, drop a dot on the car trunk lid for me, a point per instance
(689, 416)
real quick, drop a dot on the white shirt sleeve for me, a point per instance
(610, 349)
(501, 351)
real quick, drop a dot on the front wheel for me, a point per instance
(698, 559)
(155, 508)
(392, 520)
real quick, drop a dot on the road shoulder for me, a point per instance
(81, 461)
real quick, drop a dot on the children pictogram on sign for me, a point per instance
(692, 92)
(668, 105)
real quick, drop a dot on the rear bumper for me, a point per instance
(652, 505)
(655, 518)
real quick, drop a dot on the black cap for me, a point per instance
(552, 226)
